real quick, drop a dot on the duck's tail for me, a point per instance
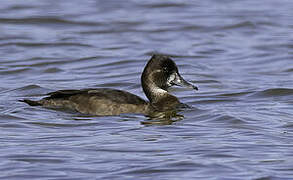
(30, 102)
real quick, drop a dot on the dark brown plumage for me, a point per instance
(159, 74)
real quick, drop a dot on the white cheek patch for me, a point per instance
(171, 79)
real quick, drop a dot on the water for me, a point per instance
(239, 54)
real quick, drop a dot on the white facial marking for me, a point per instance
(172, 78)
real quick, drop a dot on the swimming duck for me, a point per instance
(159, 74)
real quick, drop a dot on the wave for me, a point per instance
(274, 92)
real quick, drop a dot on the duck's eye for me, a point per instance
(165, 69)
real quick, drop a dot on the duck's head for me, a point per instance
(159, 74)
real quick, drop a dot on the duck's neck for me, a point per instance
(159, 98)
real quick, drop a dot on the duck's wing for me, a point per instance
(66, 93)
(114, 95)
(56, 95)
(93, 101)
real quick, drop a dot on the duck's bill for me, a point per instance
(177, 80)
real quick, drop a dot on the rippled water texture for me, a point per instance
(239, 53)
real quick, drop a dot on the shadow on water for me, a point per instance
(163, 118)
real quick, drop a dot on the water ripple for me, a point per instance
(239, 53)
(275, 92)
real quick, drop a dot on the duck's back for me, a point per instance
(95, 101)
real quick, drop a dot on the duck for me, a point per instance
(159, 74)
